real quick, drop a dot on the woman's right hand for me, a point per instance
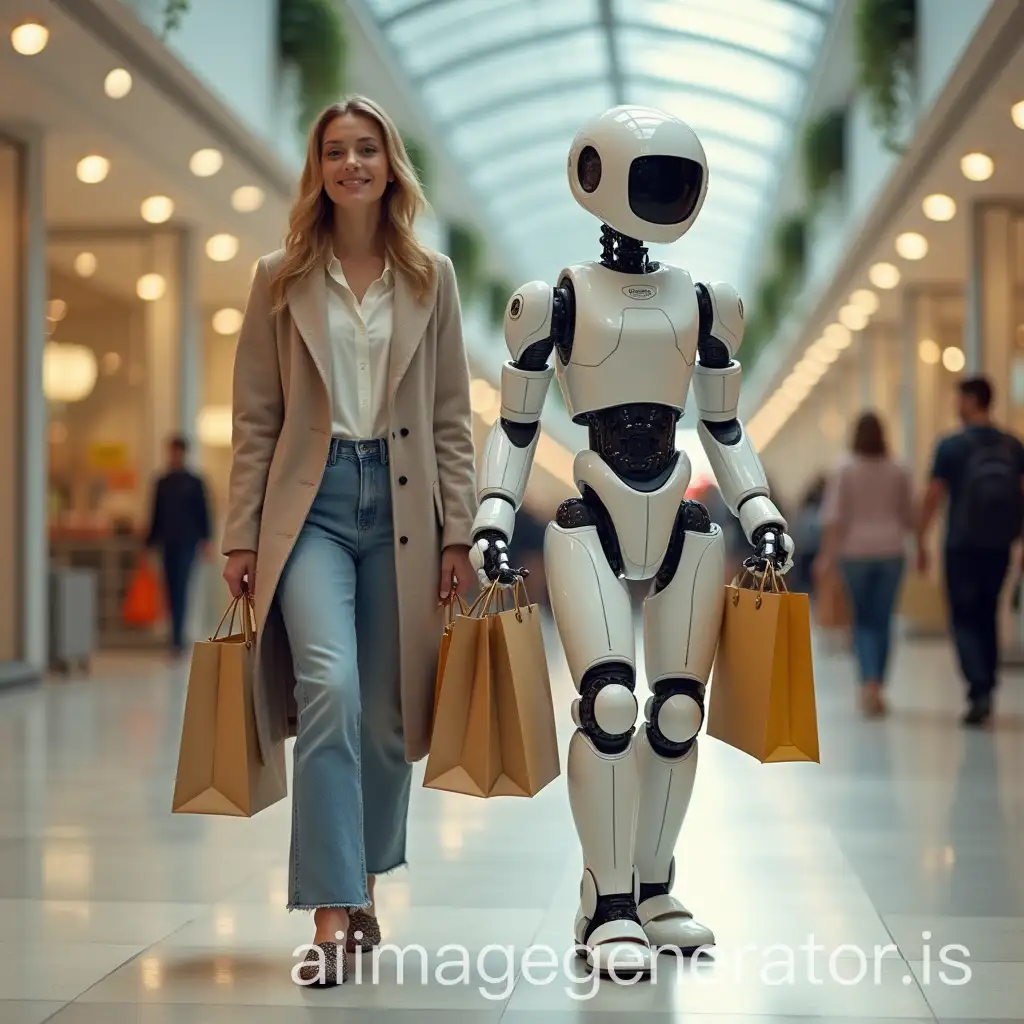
(241, 565)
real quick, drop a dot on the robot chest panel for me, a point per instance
(633, 341)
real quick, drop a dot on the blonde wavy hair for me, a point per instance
(310, 221)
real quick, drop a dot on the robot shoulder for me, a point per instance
(528, 317)
(721, 309)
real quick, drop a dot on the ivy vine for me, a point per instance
(824, 153)
(418, 157)
(174, 11)
(886, 48)
(311, 36)
(466, 250)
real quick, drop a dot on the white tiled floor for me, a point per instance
(905, 844)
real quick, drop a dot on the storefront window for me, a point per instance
(10, 422)
(110, 383)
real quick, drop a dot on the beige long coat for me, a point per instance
(281, 435)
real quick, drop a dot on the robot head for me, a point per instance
(641, 171)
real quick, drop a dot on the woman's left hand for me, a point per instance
(455, 561)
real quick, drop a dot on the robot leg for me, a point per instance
(593, 615)
(682, 621)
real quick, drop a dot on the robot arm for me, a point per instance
(532, 324)
(735, 463)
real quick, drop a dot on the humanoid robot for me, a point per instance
(624, 337)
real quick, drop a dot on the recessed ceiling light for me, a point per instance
(30, 38)
(205, 162)
(837, 336)
(953, 359)
(1017, 113)
(92, 169)
(977, 167)
(150, 287)
(227, 321)
(853, 317)
(939, 207)
(56, 309)
(884, 275)
(866, 299)
(85, 264)
(247, 198)
(928, 351)
(157, 209)
(221, 248)
(911, 245)
(117, 84)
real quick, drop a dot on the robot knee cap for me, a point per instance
(615, 710)
(680, 718)
(608, 708)
(675, 714)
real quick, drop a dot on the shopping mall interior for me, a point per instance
(865, 198)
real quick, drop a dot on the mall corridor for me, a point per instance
(909, 835)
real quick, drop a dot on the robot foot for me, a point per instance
(609, 934)
(667, 923)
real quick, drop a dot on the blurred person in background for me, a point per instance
(807, 534)
(179, 530)
(867, 517)
(980, 472)
(351, 500)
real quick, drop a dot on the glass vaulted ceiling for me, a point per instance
(508, 83)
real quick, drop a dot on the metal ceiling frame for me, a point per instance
(414, 9)
(536, 92)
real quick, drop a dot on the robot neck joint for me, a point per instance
(624, 254)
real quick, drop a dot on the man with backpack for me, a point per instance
(980, 470)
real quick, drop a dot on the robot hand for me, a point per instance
(489, 556)
(771, 546)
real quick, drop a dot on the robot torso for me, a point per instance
(634, 339)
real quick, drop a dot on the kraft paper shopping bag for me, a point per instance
(220, 768)
(494, 729)
(762, 697)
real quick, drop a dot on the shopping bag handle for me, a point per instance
(481, 607)
(777, 586)
(449, 606)
(247, 618)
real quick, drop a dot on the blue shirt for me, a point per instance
(950, 462)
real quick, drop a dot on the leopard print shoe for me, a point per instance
(363, 931)
(321, 970)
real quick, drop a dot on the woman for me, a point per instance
(867, 517)
(351, 502)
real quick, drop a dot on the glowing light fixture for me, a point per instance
(92, 169)
(853, 317)
(205, 162)
(227, 321)
(85, 264)
(56, 310)
(953, 359)
(1017, 113)
(30, 38)
(69, 372)
(837, 336)
(884, 276)
(928, 351)
(866, 299)
(977, 166)
(221, 248)
(214, 426)
(939, 207)
(118, 83)
(150, 287)
(911, 245)
(157, 209)
(247, 198)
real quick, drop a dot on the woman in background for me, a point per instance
(867, 517)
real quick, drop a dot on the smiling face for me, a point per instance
(354, 161)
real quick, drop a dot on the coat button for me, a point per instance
(404, 540)
(404, 431)
(403, 480)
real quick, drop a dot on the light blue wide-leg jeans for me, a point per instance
(339, 600)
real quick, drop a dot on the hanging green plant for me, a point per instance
(174, 11)
(791, 251)
(886, 49)
(824, 153)
(498, 294)
(465, 249)
(311, 36)
(417, 154)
